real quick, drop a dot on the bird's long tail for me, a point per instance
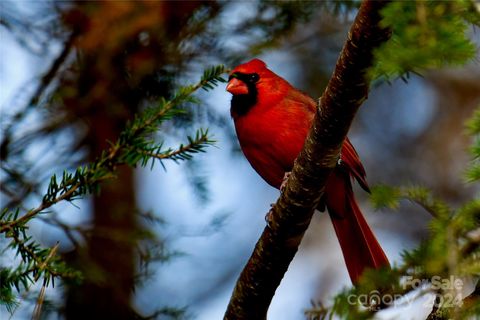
(359, 246)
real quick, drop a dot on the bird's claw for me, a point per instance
(269, 216)
(284, 181)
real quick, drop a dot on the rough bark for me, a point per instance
(346, 90)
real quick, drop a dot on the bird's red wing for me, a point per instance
(352, 161)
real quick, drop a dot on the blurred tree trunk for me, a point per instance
(105, 104)
(108, 260)
(123, 48)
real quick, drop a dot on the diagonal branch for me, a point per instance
(346, 90)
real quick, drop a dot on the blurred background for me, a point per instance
(172, 240)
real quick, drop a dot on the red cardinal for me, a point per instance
(272, 120)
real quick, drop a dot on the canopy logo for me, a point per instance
(447, 291)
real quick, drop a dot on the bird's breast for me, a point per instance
(271, 140)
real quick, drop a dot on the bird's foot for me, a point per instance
(284, 181)
(269, 215)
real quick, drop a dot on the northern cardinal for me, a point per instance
(272, 119)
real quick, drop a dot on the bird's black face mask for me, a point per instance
(242, 103)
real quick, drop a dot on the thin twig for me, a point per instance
(37, 311)
(108, 162)
(175, 153)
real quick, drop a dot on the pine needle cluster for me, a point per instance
(136, 146)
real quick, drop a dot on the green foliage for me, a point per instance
(36, 263)
(7, 298)
(383, 196)
(450, 253)
(472, 174)
(425, 35)
(451, 249)
(473, 124)
(134, 146)
(212, 77)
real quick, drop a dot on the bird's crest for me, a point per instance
(251, 66)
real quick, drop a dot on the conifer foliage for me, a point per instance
(134, 147)
(138, 70)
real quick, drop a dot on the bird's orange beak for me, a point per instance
(236, 87)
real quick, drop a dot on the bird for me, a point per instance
(272, 119)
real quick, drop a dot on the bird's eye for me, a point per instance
(254, 77)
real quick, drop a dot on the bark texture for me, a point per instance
(346, 90)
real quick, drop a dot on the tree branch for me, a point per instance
(147, 122)
(346, 90)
